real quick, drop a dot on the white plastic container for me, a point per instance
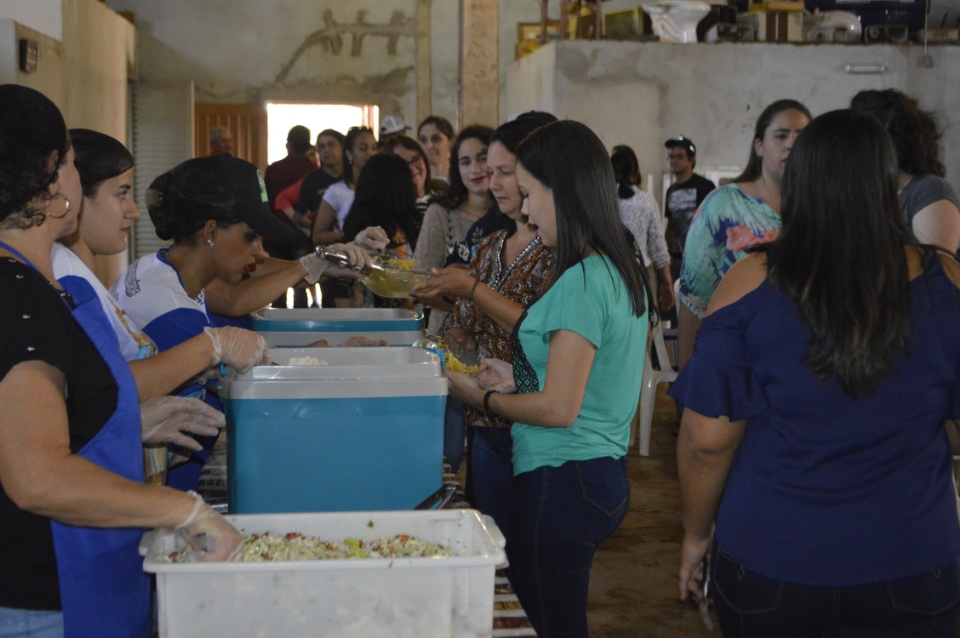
(362, 598)
(362, 432)
(297, 327)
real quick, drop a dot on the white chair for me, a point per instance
(652, 377)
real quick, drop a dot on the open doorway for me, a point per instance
(282, 116)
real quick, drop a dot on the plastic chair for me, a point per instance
(652, 377)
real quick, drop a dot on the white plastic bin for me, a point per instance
(363, 598)
(363, 432)
(295, 327)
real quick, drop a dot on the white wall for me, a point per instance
(40, 15)
(643, 93)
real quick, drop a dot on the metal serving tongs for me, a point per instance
(341, 259)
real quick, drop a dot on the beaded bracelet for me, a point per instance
(486, 401)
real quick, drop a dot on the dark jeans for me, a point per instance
(560, 516)
(749, 605)
(491, 465)
(454, 433)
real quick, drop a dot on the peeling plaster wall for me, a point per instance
(643, 93)
(239, 51)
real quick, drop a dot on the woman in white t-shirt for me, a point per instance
(359, 146)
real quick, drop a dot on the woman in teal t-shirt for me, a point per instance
(572, 390)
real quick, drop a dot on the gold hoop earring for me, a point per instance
(66, 210)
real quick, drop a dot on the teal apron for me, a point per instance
(103, 589)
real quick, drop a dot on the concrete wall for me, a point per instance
(643, 93)
(41, 15)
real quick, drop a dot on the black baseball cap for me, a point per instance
(224, 182)
(682, 142)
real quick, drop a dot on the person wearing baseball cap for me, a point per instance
(215, 211)
(683, 197)
(392, 126)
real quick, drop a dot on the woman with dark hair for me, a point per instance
(215, 211)
(929, 203)
(359, 146)
(736, 216)
(385, 198)
(578, 354)
(427, 188)
(447, 221)
(641, 215)
(813, 438)
(510, 270)
(73, 504)
(435, 134)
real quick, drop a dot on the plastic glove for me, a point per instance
(210, 535)
(238, 348)
(496, 375)
(372, 238)
(317, 266)
(165, 419)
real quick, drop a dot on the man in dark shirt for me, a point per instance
(295, 166)
(330, 148)
(683, 197)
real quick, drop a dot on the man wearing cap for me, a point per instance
(683, 197)
(391, 127)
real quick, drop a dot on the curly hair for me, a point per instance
(32, 131)
(915, 132)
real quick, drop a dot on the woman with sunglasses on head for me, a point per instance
(815, 469)
(571, 392)
(509, 271)
(73, 505)
(359, 145)
(447, 221)
(436, 135)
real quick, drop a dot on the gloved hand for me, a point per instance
(317, 266)
(372, 238)
(165, 419)
(210, 535)
(238, 348)
(495, 374)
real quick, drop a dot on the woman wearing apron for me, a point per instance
(73, 505)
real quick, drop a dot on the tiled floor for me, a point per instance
(633, 583)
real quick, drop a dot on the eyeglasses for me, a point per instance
(416, 160)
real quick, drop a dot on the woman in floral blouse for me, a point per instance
(736, 216)
(510, 270)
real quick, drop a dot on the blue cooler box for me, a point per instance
(360, 430)
(298, 327)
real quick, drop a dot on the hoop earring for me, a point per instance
(66, 210)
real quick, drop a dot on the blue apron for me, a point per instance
(103, 589)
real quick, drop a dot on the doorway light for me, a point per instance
(282, 116)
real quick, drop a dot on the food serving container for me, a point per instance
(364, 598)
(363, 431)
(297, 327)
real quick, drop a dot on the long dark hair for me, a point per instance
(411, 145)
(99, 157)
(457, 193)
(626, 168)
(570, 160)
(840, 256)
(353, 133)
(31, 128)
(755, 165)
(915, 132)
(385, 197)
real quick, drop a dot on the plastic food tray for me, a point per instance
(295, 327)
(399, 598)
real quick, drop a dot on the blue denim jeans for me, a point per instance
(491, 463)
(26, 623)
(749, 605)
(560, 516)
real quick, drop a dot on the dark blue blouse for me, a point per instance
(824, 489)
